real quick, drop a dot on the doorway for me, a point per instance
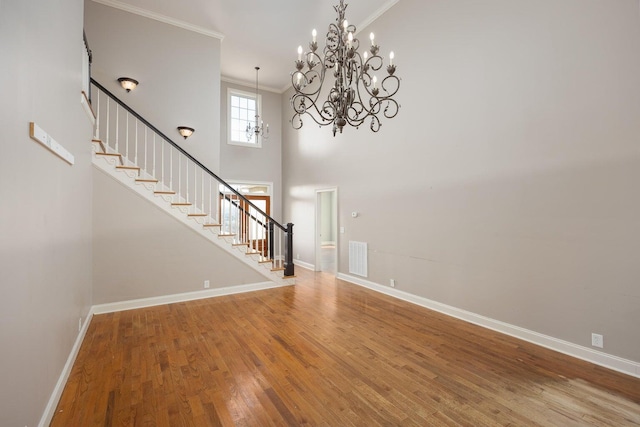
(327, 230)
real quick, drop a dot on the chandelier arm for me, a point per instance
(375, 124)
(325, 117)
(394, 81)
(301, 81)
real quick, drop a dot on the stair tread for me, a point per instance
(226, 235)
(180, 204)
(211, 225)
(277, 269)
(128, 167)
(265, 261)
(197, 214)
(146, 180)
(240, 244)
(99, 141)
(164, 192)
(109, 154)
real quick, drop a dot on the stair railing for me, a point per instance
(189, 184)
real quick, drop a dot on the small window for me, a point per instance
(243, 107)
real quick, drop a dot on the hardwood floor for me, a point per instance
(327, 353)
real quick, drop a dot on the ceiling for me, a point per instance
(259, 33)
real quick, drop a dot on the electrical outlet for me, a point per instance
(597, 340)
(392, 283)
(206, 284)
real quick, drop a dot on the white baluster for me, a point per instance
(256, 232)
(117, 128)
(96, 135)
(145, 148)
(171, 168)
(187, 177)
(162, 162)
(126, 148)
(154, 155)
(241, 224)
(195, 187)
(211, 199)
(179, 177)
(108, 122)
(135, 160)
(267, 240)
(229, 209)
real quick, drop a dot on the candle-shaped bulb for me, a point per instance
(345, 24)
(299, 53)
(391, 56)
(371, 36)
(366, 55)
(375, 82)
(314, 33)
(350, 39)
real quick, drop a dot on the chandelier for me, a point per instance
(258, 129)
(356, 93)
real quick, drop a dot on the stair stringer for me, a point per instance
(146, 190)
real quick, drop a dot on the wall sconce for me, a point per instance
(128, 83)
(185, 131)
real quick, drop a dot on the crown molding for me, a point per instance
(161, 18)
(250, 85)
(377, 14)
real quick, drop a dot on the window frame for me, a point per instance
(248, 95)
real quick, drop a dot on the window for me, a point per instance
(243, 107)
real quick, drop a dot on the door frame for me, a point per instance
(318, 228)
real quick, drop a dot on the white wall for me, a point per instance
(141, 251)
(45, 208)
(507, 185)
(178, 71)
(247, 164)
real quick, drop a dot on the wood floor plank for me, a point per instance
(327, 353)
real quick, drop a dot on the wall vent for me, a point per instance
(358, 258)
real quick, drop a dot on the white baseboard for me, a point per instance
(49, 410)
(304, 265)
(187, 296)
(609, 361)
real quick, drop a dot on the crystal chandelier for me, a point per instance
(259, 128)
(356, 94)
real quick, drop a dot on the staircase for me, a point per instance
(138, 155)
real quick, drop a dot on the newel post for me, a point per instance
(270, 239)
(288, 252)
